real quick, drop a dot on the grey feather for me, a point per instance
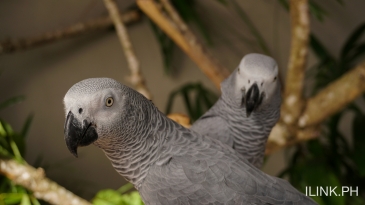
(227, 120)
(167, 163)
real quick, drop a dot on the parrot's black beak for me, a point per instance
(253, 99)
(77, 134)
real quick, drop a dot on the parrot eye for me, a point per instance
(109, 102)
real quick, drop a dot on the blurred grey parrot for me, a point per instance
(248, 108)
(167, 163)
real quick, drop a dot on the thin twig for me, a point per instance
(35, 180)
(12, 45)
(180, 33)
(293, 100)
(136, 77)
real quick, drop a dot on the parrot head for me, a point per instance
(254, 83)
(95, 111)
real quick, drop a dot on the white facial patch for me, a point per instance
(259, 69)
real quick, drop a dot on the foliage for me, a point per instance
(19, 196)
(12, 145)
(118, 197)
(197, 99)
(331, 160)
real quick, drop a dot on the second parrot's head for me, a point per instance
(99, 109)
(254, 83)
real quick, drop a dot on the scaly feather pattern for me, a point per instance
(166, 162)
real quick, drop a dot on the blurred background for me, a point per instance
(36, 79)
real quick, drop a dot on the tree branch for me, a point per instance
(330, 100)
(136, 77)
(281, 137)
(286, 132)
(180, 33)
(12, 45)
(35, 180)
(334, 97)
(293, 100)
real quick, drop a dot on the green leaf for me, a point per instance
(193, 92)
(186, 98)
(224, 2)
(167, 47)
(132, 198)
(359, 143)
(9, 142)
(2, 130)
(16, 151)
(34, 200)
(25, 200)
(112, 197)
(317, 11)
(11, 101)
(125, 188)
(186, 9)
(26, 125)
(285, 4)
(107, 197)
(11, 198)
(356, 53)
(199, 110)
(351, 41)
(318, 48)
(4, 152)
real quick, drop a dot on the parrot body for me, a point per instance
(167, 163)
(247, 110)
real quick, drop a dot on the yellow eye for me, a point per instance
(109, 102)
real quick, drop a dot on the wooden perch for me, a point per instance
(180, 118)
(35, 180)
(293, 94)
(12, 45)
(136, 77)
(281, 137)
(180, 33)
(334, 97)
(327, 102)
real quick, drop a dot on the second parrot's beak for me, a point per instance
(253, 99)
(78, 134)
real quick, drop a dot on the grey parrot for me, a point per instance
(248, 108)
(167, 163)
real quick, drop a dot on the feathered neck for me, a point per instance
(139, 142)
